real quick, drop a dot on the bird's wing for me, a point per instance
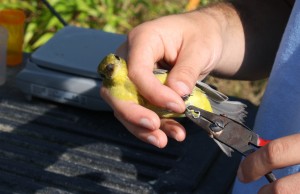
(222, 105)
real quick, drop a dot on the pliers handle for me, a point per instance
(228, 133)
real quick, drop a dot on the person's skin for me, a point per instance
(277, 154)
(211, 40)
(193, 44)
(237, 40)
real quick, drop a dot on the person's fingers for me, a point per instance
(141, 116)
(188, 70)
(173, 129)
(278, 153)
(155, 137)
(288, 185)
(142, 122)
(198, 55)
(141, 62)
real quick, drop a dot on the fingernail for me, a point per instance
(153, 140)
(146, 123)
(183, 88)
(175, 136)
(240, 174)
(178, 136)
(174, 107)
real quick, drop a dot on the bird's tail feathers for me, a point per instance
(222, 105)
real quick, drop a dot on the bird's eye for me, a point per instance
(109, 68)
(117, 57)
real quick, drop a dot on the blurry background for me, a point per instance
(117, 16)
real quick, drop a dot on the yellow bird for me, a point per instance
(113, 72)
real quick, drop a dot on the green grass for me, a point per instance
(118, 16)
(113, 16)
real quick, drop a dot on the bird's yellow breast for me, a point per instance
(113, 70)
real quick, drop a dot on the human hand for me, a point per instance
(279, 153)
(192, 45)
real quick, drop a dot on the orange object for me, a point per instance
(13, 21)
(192, 5)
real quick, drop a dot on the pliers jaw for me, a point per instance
(227, 133)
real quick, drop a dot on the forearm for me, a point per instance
(254, 30)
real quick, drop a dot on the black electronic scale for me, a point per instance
(65, 68)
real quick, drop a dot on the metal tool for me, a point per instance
(229, 134)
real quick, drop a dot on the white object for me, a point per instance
(3, 47)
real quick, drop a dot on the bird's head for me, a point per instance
(112, 67)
